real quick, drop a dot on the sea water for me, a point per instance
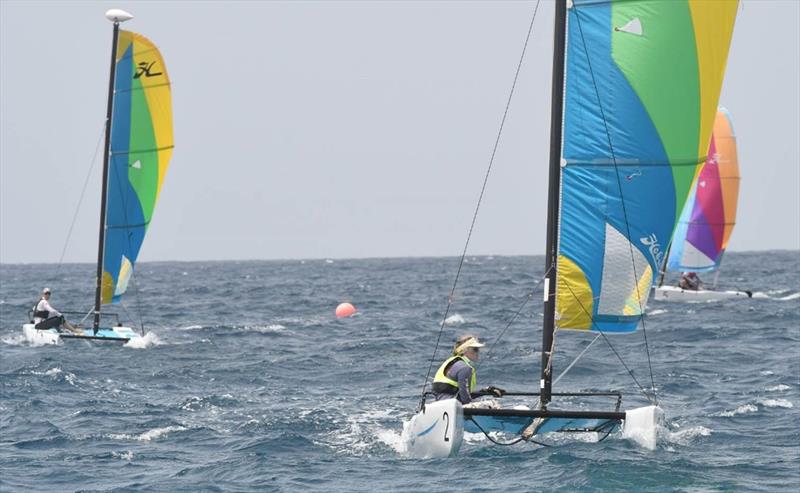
(247, 381)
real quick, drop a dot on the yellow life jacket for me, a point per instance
(442, 378)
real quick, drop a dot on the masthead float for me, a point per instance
(136, 154)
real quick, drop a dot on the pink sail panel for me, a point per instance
(709, 215)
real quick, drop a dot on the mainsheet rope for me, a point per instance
(480, 198)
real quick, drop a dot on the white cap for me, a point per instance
(471, 342)
(46, 290)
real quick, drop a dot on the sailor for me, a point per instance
(457, 376)
(690, 281)
(44, 312)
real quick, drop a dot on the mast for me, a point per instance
(551, 253)
(664, 265)
(116, 16)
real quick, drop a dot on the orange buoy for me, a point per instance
(345, 310)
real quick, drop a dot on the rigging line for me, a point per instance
(480, 197)
(527, 299)
(80, 199)
(513, 318)
(568, 368)
(622, 199)
(630, 372)
(139, 311)
(504, 444)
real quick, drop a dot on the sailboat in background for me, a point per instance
(642, 82)
(708, 218)
(138, 148)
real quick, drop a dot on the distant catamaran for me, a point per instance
(138, 147)
(635, 90)
(708, 218)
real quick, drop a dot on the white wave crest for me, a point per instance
(793, 296)
(147, 435)
(264, 329)
(397, 441)
(126, 455)
(657, 312)
(149, 339)
(776, 403)
(455, 319)
(23, 340)
(743, 409)
(778, 388)
(191, 327)
(14, 340)
(684, 437)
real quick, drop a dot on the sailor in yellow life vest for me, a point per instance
(457, 376)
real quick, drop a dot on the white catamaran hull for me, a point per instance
(437, 430)
(39, 337)
(674, 293)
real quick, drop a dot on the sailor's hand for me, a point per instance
(495, 391)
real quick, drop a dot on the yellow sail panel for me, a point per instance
(574, 302)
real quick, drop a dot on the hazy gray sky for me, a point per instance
(342, 129)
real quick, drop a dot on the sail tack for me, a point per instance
(709, 215)
(141, 147)
(642, 85)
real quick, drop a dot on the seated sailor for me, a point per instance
(457, 377)
(47, 317)
(690, 281)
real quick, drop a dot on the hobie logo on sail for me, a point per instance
(652, 244)
(144, 69)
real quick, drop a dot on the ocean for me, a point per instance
(248, 382)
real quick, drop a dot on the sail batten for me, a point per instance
(141, 147)
(642, 86)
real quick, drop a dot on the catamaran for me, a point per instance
(707, 220)
(138, 147)
(635, 87)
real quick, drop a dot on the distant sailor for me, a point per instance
(52, 318)
(457, 376)
(690, 281)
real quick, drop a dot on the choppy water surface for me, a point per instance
(248, 382)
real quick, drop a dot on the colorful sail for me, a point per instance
(141, 147)
(643, 79)
(709, 215)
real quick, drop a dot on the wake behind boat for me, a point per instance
(634, 91)
(138, 147)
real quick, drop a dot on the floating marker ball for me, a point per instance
(345, 310)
